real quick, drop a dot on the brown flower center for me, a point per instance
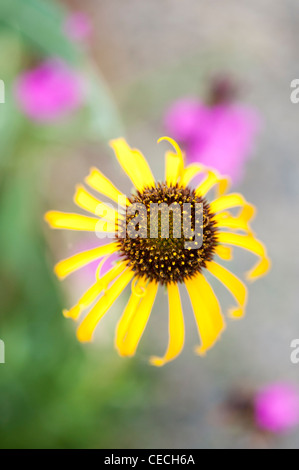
(168, 234)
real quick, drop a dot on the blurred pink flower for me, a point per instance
(78, 26)
(220, 135)
(276, 407)
(49, 91)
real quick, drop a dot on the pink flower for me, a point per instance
(276, 407)
(181, 119)
(78, 26)
(220, 135)
(49, 91)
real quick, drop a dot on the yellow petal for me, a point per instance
(84, 302)
(133, 163)
(69, 221)
(173, 168)
(176, 327)
(212, 179)
(223, 220)
(138, 292)
(88, 325)
(71, 264)
(206, 310)
(174, 163)
(191, 171)
(251, 244)
(94, 291)
(233, 200)
(103, 185)
(112, 274)
(139, 321)
(224, 252)
(91, 204)
(260, 269)
(233, 284)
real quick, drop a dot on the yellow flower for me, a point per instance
(147, 262)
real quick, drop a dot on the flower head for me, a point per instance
(155, 251)
(276, 407)
(219, 135)
(49, 91)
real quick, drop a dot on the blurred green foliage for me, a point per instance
(54, 392)
(41, 24)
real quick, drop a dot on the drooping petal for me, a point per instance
(139, 320)
(77, 261)
(91, 204)
(212, 179)
(103, 185)
(251, 244)
(229, 201)
(88, 325)
(224, 252)
(260, 269)
(191, 171)
(133, 163)
(84, 302)
(207, 312)
(138, 292)
(176, 327)
(94, 291)
(233, 284)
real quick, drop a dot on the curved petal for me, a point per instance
(233, 284)
(91, 204)
(174, 163)
(103, 185)
(176, 327)
(224, 220)
(233, 200)
(207, 312)
(138, 292)
(173, 168)
(224, 252)
(251, 244)
(139, 321)
(210, 181)
(94, 291)
(191, 171)
(133, 163)
(77, 261)
(88, 325)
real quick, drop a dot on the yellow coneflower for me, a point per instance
(148, 262)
